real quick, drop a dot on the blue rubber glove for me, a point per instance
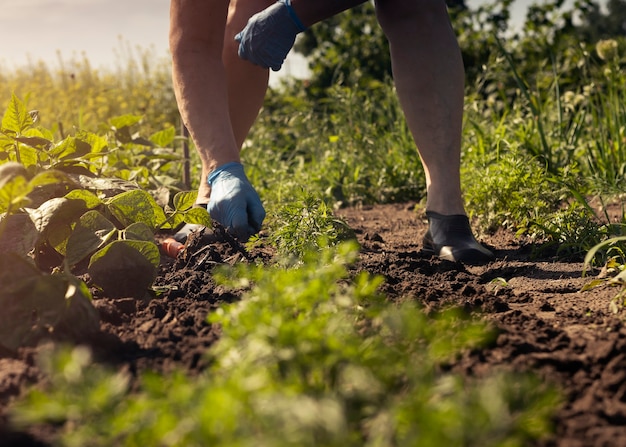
(269, 35)
(234, 202)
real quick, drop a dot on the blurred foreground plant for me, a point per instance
(308, 357)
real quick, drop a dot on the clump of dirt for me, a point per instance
(545, 324)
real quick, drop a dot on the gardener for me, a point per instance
(220, 94)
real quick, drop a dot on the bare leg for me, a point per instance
(199, 79)
(247, 83)
(429, 77)
(313, 11)
(219, 95)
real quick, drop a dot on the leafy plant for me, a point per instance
(308, 356)
(305, 223)
(512, 189)
(571, 232)
(56, 214)
(36, 305)
(614, 271)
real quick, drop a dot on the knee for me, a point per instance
(392, 13)
(239, 11)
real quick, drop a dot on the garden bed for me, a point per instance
(545, 323)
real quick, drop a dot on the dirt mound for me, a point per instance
(544, 323)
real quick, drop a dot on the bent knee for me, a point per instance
(239, 11)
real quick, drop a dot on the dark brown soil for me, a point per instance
(546, 324)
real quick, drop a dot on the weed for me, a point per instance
(614, 270)
(512, 189)
(303, 223)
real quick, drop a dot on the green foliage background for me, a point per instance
(538, 96)
(545, 133)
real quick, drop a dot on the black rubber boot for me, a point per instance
(451, 238)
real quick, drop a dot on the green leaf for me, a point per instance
(28, 155)
(593, 284)
(605, 244)
(50, 177)
(91, 200)
(33, 305)
(74, 167)
(25, 310)
(122, 121)
(185, 200)
(125, 268)
(17, 234)
(6, 144)
(108, 185)
(13, 270)
(123, 135)
(35, 142)
(80, 317)
(139, 231)
(16, 119)
(91, 232)
(175, 220)
(148, 249)
(619, 278)
(10, 170)
(164, 137)
(136, 206)
(24, 290)
(58, 211)
(58, 236)
(97, 143)
(13, 194)
(199, 216)
(69, 148)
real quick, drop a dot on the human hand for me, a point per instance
(269, 35)
(234, 202)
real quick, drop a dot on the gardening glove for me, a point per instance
(234, 203)
(269, 35)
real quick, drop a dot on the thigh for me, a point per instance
(201, 19)
(240, 11)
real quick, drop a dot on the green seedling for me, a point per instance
(613, 272)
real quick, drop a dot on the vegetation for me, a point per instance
(60, 210)
(304, 360)
(88, 177)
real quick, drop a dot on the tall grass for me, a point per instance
(546, 148)
(606, 148)
(73, 94)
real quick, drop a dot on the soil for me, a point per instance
(545, 323)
